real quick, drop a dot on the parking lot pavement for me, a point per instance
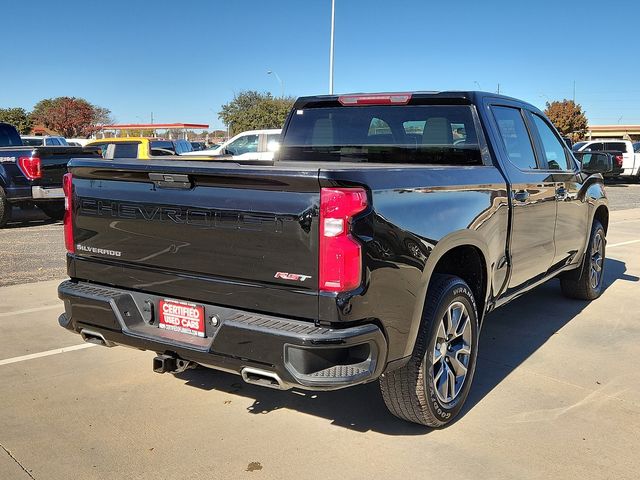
(32, 248)
(623, 195)
(556, 395)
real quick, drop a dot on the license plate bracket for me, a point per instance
(182, 317)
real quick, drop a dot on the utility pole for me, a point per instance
(333, 21)
(269, 72)
(498, 92)
(574, 92)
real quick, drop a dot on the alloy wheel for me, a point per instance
(452, 352)
(597, 259)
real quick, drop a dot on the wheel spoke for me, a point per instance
(437, 356)
(442, 332)
(451, 381)
(462, 349)
(437, 376)
(448, 318)
(442, 384)
(459, 368)
(457, 313)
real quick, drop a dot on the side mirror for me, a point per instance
(594, 162)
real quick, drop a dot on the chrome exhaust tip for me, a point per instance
(264, 378)
(96, 338)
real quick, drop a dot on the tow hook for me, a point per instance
(171, 364)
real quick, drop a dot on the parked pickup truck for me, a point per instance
(32, 174)
(626, 163)
(372, 247)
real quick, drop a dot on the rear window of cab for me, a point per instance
(111, 150)
(410, 134)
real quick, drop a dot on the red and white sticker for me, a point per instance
(182, 317)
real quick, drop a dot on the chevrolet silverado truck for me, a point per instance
(371, 248)
(32, 175)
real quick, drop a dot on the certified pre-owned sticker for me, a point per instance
(291, 276)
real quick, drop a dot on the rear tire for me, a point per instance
(5, 209)
(433, 386)
(53, 210)
(589, 284)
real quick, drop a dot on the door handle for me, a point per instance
(521, 195)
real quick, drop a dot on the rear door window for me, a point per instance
(410, 134)
(161, 148)
(125, 150)
(515, 137)
(33, 142)
(553, 147)
(111, 150)
(9, 137)
(244, 144)
(617, 146)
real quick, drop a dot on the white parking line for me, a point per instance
(31, 310)
(627, 221)
(72, 348)
(622, 243)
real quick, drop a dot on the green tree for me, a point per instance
(70, 116)
(251, 110)
(18, 117)
(568, 117)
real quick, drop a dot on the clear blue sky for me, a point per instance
(182, 60)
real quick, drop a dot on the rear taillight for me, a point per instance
(67, 181)
(619, 159)
(375, 99)
(340, 253)
(31, 167)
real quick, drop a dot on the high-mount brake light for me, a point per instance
(375, 99)
(31, 167)
(340, 253)
(69, 242)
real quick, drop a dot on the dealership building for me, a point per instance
(623, 132)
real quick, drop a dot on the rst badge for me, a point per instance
(291, 276)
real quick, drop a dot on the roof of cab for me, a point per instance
(457, 96)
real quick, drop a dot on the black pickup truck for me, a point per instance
(32, 175)
(371, 248)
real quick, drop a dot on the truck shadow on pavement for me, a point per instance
(362, 409)
(28, 218)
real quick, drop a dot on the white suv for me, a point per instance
(249, 145)
(44, 141)
(630, 160)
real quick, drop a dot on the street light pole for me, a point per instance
(333, 22)
(269, 72)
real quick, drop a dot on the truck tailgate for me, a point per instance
(54, 162)
(235, 235)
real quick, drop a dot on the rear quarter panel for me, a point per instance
(417, 214)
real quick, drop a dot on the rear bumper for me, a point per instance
(41, 193)
(24, 193)
(298, 353)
